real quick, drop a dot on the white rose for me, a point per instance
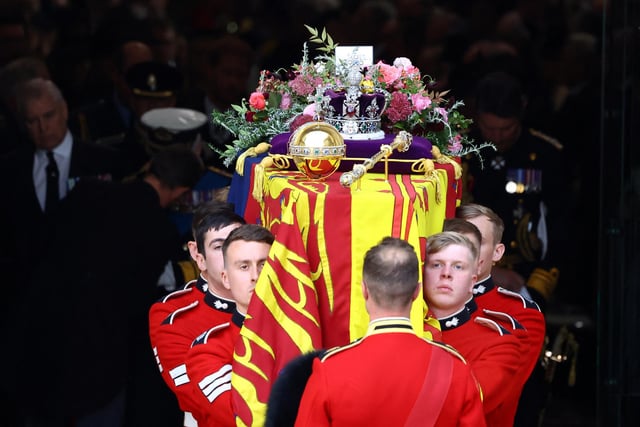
(402, 62)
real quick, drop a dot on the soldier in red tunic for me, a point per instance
(489, 297)
(177, 319)
(491, 351)
(209, 359)
(392, 376)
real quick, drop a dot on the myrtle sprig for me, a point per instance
(325, 41)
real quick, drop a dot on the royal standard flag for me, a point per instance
(309, 293)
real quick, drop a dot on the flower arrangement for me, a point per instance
(285, 99)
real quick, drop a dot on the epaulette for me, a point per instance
(204, 337)
(171, 318)
(335, 350)
(546, 138)
(447, 348)
(504, 316)
(174, 294)
(491, 324)
(526, 302)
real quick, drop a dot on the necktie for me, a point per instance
(53, 196)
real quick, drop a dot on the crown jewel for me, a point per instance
(354, 108)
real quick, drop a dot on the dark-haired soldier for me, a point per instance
(180, 317)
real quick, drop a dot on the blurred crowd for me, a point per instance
(115, 60)
(215, 49)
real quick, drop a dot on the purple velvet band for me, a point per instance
(337, 102)
(420, 149)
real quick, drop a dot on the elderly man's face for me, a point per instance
(46, 121)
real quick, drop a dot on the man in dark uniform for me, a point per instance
(153, 85)
(522, 181)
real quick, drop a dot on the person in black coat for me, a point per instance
(82, 319)
(24, 174)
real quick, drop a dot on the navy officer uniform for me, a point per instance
(523, 181)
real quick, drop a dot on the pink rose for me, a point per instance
(257, 101)
(420, 102)
(389, 73)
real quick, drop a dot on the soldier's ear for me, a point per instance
(225, 279)
(193, 249)
(199, 259)
(498, 251)
(365, 291)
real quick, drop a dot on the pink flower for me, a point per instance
(420, 102)
(285, 102)
(443, 113)
(303, 85)
(310, 110)
(455, 143)
(257, 101)
(399, 107)
(388, 73)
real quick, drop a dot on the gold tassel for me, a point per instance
(427, 167)
(258, 178)
(442, 159)
(263, 147)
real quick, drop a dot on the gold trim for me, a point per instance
(162, 94)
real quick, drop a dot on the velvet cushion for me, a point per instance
(420, 148)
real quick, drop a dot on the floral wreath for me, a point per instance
(285, 99)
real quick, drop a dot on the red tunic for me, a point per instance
(526, 312)
(493, 354)
(209, 368)
(488, 297)
(160, 310)
(176, 333)
(380, 381)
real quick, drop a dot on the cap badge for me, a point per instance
(151, 82)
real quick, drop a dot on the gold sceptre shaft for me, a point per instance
(401, 142)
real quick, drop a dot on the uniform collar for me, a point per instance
(390, 324)
(237, 318)
(455, 320)
(201, 284)
(483, 287)
(218, 303)
(471, 305)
